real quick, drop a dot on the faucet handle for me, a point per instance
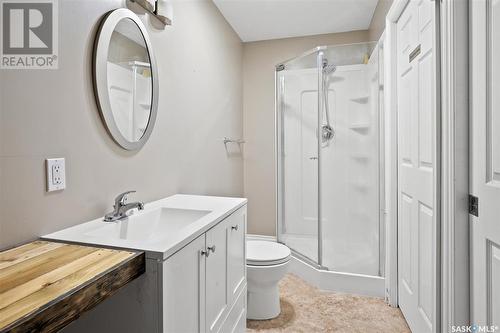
(121, 199)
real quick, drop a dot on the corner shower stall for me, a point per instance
(330, 160)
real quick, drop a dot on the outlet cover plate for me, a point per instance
(56, 174)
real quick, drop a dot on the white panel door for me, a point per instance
(485, 162)
(416, 164)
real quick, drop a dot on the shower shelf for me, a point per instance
(360, 156)
(360, 127)
(360, 185)
(360, 216)
(361, 100)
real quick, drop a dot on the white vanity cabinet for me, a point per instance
(195, 279)
(204, 283)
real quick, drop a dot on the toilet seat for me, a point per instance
(266, 253)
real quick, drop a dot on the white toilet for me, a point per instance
(267, 263)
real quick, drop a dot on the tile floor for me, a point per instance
(308, 309)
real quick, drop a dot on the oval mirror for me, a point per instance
(125, 78)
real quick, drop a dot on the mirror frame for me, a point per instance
(100, 76)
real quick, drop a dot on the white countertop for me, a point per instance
(162, 246)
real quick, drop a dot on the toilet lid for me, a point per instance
(265, 253)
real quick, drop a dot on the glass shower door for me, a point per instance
(297, 110)
(329, 158)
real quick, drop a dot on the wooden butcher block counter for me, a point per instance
(46, 285)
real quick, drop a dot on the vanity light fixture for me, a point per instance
(158, 9)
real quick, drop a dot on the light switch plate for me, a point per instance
(56, 174)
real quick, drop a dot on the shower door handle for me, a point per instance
(313, 158)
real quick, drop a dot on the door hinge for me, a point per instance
(473, 205)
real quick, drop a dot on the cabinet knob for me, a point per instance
(234, 227)
(211, 248)
(205, 253)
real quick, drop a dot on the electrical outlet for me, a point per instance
(56, 174)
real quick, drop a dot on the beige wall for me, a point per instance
(259, 59)
(377, 24)
(53, 114)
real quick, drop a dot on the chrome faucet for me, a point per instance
(121, 207)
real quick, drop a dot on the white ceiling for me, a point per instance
(270, 19)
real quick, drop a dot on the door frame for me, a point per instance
(391, 151)
(451, 155)
(455, 269)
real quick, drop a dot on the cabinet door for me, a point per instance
(216, 302)
(236, 272)
(184, 289)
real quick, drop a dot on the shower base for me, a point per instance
(340, 254)
(350, 283)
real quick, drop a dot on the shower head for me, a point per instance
(328, 69)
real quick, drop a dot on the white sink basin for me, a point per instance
(148, 225)
(161, 229)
